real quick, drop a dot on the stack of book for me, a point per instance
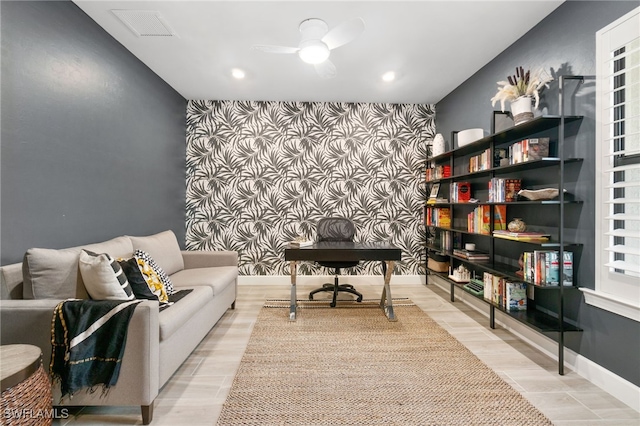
(474, 256)
(300, 242)
(532, 237)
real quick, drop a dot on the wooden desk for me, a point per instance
(326, 251)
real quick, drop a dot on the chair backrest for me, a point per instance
(335, 229)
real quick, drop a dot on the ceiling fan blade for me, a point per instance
(326, 69)
(344, 33)
(274, 49)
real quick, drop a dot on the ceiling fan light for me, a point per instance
(237, 73)
(314, 53)
(389, 76)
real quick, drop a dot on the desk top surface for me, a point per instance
(342, 250)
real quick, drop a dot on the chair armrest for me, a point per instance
(206, 258)
(29, 322)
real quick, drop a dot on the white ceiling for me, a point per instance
(433, 46)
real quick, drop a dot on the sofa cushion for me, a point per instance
(103, 277)
(216, 277)
(52, 274)
(164, 278)
(116, 247)
(163, 248)
(152, 279)
(174, 318)
(136, 280)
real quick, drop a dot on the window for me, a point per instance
(618, 168)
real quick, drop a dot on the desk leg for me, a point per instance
(294, 296)
(385, 302)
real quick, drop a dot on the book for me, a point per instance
(444, 218)
(538, 148)
(511, 188)
(567, 268)
(487, 278)
(515, 296)
(553, 277)
(500, 217)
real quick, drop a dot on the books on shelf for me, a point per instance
(521, 236)
(460, 192)
(437, 172)
(507, 294)
(542, 267)
(437, 216)
(479, 220)
(503, 190)
(480, 162)
(445, 240)
(528, 150)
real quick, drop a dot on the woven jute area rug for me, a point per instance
(351, 366)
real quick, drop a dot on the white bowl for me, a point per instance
(465, 137)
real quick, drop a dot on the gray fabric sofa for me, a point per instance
(158, 342)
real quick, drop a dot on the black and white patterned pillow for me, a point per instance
(164, 278)
(103, 277)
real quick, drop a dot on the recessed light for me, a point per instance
(237, 73)
(389, 76)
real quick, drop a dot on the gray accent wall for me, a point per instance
(563, 44)
(92, 140)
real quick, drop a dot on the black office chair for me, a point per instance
(336, 229)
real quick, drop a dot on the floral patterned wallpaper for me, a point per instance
(261, 173)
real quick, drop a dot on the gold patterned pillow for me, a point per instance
(152, 279)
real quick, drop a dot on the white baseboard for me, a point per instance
(615, 385)
(318, 280)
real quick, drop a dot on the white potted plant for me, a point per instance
(522, 92)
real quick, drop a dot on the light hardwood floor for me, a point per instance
(195, 394)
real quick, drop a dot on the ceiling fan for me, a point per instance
(318, 41)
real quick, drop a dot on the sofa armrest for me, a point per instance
(29, 322)
(206, 259)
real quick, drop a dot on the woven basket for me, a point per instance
(29, 403)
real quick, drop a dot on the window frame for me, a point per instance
(613, 292)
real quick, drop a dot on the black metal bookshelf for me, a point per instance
(552, 324)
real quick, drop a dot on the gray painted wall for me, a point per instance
(92, 140)
(564, 44)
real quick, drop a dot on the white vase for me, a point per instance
(438, 146)
(522, 110)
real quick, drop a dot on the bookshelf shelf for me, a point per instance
(542, 141)
(537, 320)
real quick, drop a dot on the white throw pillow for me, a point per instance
(103, 277)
